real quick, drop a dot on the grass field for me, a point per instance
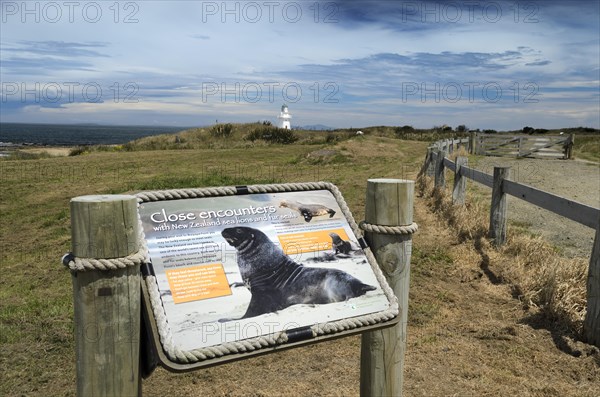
(37, 351)
(36, 310)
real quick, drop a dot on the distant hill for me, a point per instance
(314, 127)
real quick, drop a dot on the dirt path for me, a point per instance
(575, 180)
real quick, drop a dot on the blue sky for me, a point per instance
(485, 64)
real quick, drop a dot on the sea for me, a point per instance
(18, 134)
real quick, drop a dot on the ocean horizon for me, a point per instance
(16, 134)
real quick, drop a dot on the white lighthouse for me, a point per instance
(284, 118)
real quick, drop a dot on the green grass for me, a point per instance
(587, 147)
(420, 314)
(424, 262)
(37, 349)
(36, 311)
(20, 155)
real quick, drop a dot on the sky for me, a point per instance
(484, 64)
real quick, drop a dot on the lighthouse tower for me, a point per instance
(284, 118)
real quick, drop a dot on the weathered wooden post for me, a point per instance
(498, 208)
(389, 203)
(569, 147)
(107, 302)
(473, 143)
(520, 146)
(591, 325)
(430, 170)
(460, 182)
(440, 176)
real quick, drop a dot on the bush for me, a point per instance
(332, 138)
(272, 135)
(404, 131)
(222, 130)
(76, 151)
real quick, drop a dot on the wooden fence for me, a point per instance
(435, 165)
(547, 146)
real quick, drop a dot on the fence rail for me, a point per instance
(435, 165)
(573, 210)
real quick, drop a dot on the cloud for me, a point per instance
(538, 63)
(45, 58)
(363, 54)
(43, 66)
(57, 48)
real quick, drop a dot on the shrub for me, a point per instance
(272, 135)
(402, 132)
(222, 130)
(76, 151)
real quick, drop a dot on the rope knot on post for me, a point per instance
(382, 229)
(76, 264)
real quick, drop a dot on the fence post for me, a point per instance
(569, 147)
(430, 171)
(460, 182)
(440, 177)
(106, 302)
(389, 202)
(591, 325)
(498, 208)
(473, 143)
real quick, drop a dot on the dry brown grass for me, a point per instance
(537, 274)
(468, 220)
(555, 284)
(460, 152)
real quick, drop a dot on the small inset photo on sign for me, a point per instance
(236, 267)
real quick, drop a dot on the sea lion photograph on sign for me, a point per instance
(308, 211)
(230, 268)
(341, 246)
(276, 281)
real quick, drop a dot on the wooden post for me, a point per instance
(460, 182)
(569, 147)
(591, 325)
(498, 209)
(440, 177)
(389, 202)
(473, 143)
(430, 171)
(107, 302)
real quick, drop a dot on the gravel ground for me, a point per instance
(576, 180)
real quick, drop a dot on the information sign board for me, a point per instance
(234, 268)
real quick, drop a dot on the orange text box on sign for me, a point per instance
(300, 243)
(198, 282)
